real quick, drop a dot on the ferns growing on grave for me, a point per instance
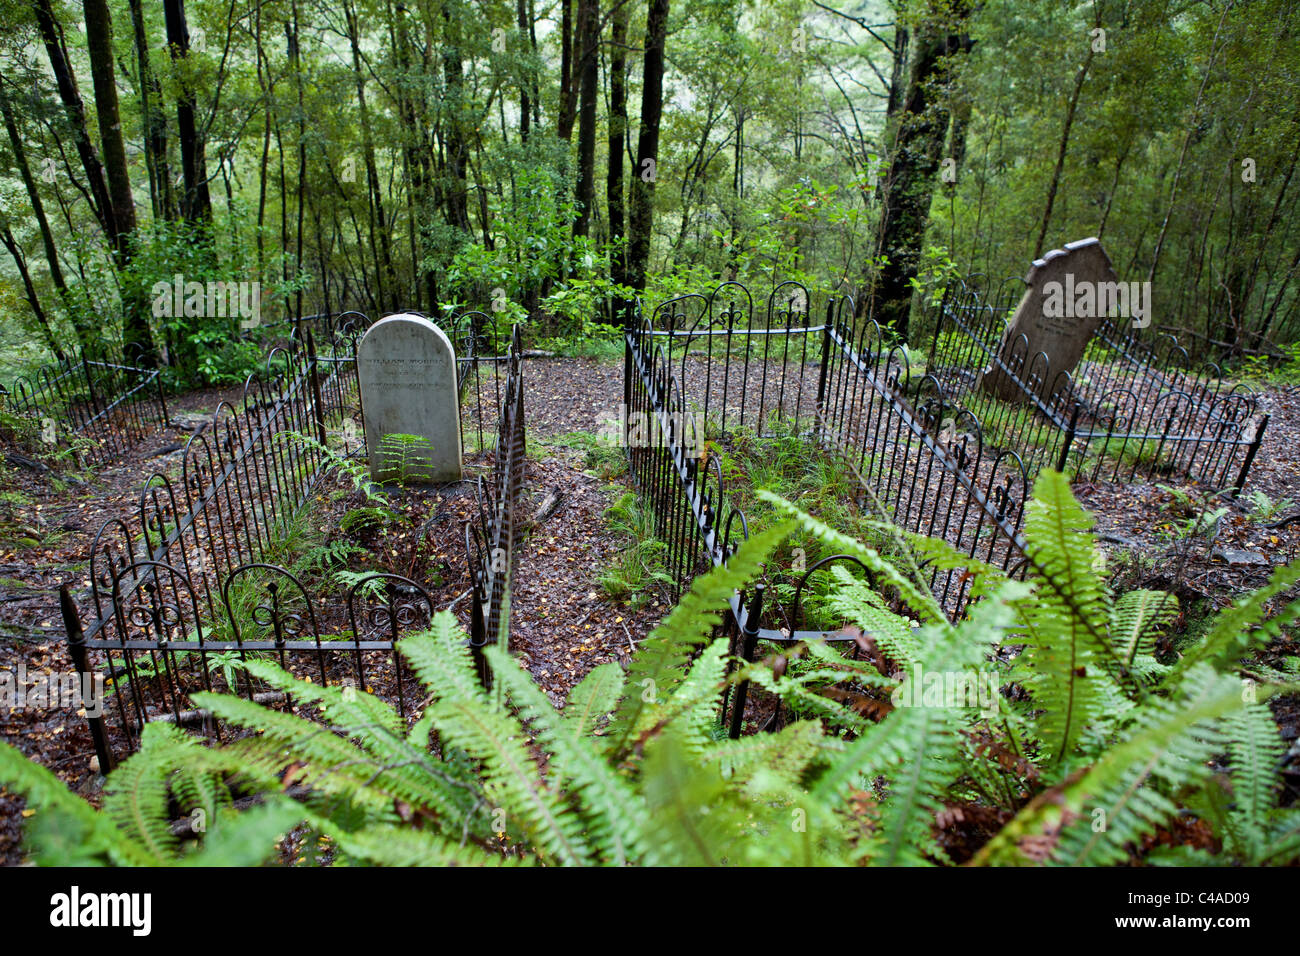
(1046, 707)
(406, 459)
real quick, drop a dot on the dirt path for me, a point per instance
(562, 623)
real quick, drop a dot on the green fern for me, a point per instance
(1097, 751)
(406, 459)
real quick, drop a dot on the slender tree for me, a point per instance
(920, 127)
(641, 207)
(196, 203)
(614, 185)
(52, 37)
(568, 103)
(589, 47)
(155, 122)
(84, 334)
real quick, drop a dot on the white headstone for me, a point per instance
(407, 370)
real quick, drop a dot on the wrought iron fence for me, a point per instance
(491, 537)
(111, 406)
(189, 584)
(162, 580)
(704, 365)
(1134, 405)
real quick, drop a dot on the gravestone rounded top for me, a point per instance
(410, 401)
(404, 321)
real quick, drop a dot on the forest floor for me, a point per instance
(563, 623)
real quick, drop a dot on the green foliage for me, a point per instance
(640, 564)
(356, 471)
(1095, 753)
(406, 459)
(1265, 509)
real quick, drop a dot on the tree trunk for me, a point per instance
(617, 139)
(155, 123)
(641, 208)
(52, 36)
(302, 154)
(381, 250)
(525, 83)
(564, 125)
(196, 204)
(921, 125)
(456, 144)
(589, 45)
(137, 340)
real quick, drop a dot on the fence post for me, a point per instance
(749, 641)
(81, 661)
(825, 364)
(1069, 439)
(478, 639)
(315, 387)
(162, 401)
(1250, 456)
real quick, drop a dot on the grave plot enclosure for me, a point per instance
(703, 365)
(187, 586)
(109, 405)
(1134, 404)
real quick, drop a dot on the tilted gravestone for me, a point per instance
(1070, 290)
(407, 369)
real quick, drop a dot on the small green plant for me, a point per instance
(347, 580)
(326, 557)
(1264, 508)
(357, 520)
(355, 470)
(406, 459)
(640, 563)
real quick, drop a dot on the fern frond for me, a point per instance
(856, 601)
(442, 660)
(1239, 627)
(614, 812)
(1066, 619)
(343, 768)
(1137, 619)
(169, 764)
(512, 780)
(388, 845)
(1255, 754)
(1095, 815)
(661, 658)
(915, 596)
(936, 554)
(785, 754)
(593, 699)
(247, 838)
(67, 828)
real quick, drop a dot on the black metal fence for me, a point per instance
(1134, 405)
(167, 583)
(704, 365)
(490, 539)
(106, 407)
(189, 585)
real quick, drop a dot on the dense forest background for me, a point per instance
(549, 159)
